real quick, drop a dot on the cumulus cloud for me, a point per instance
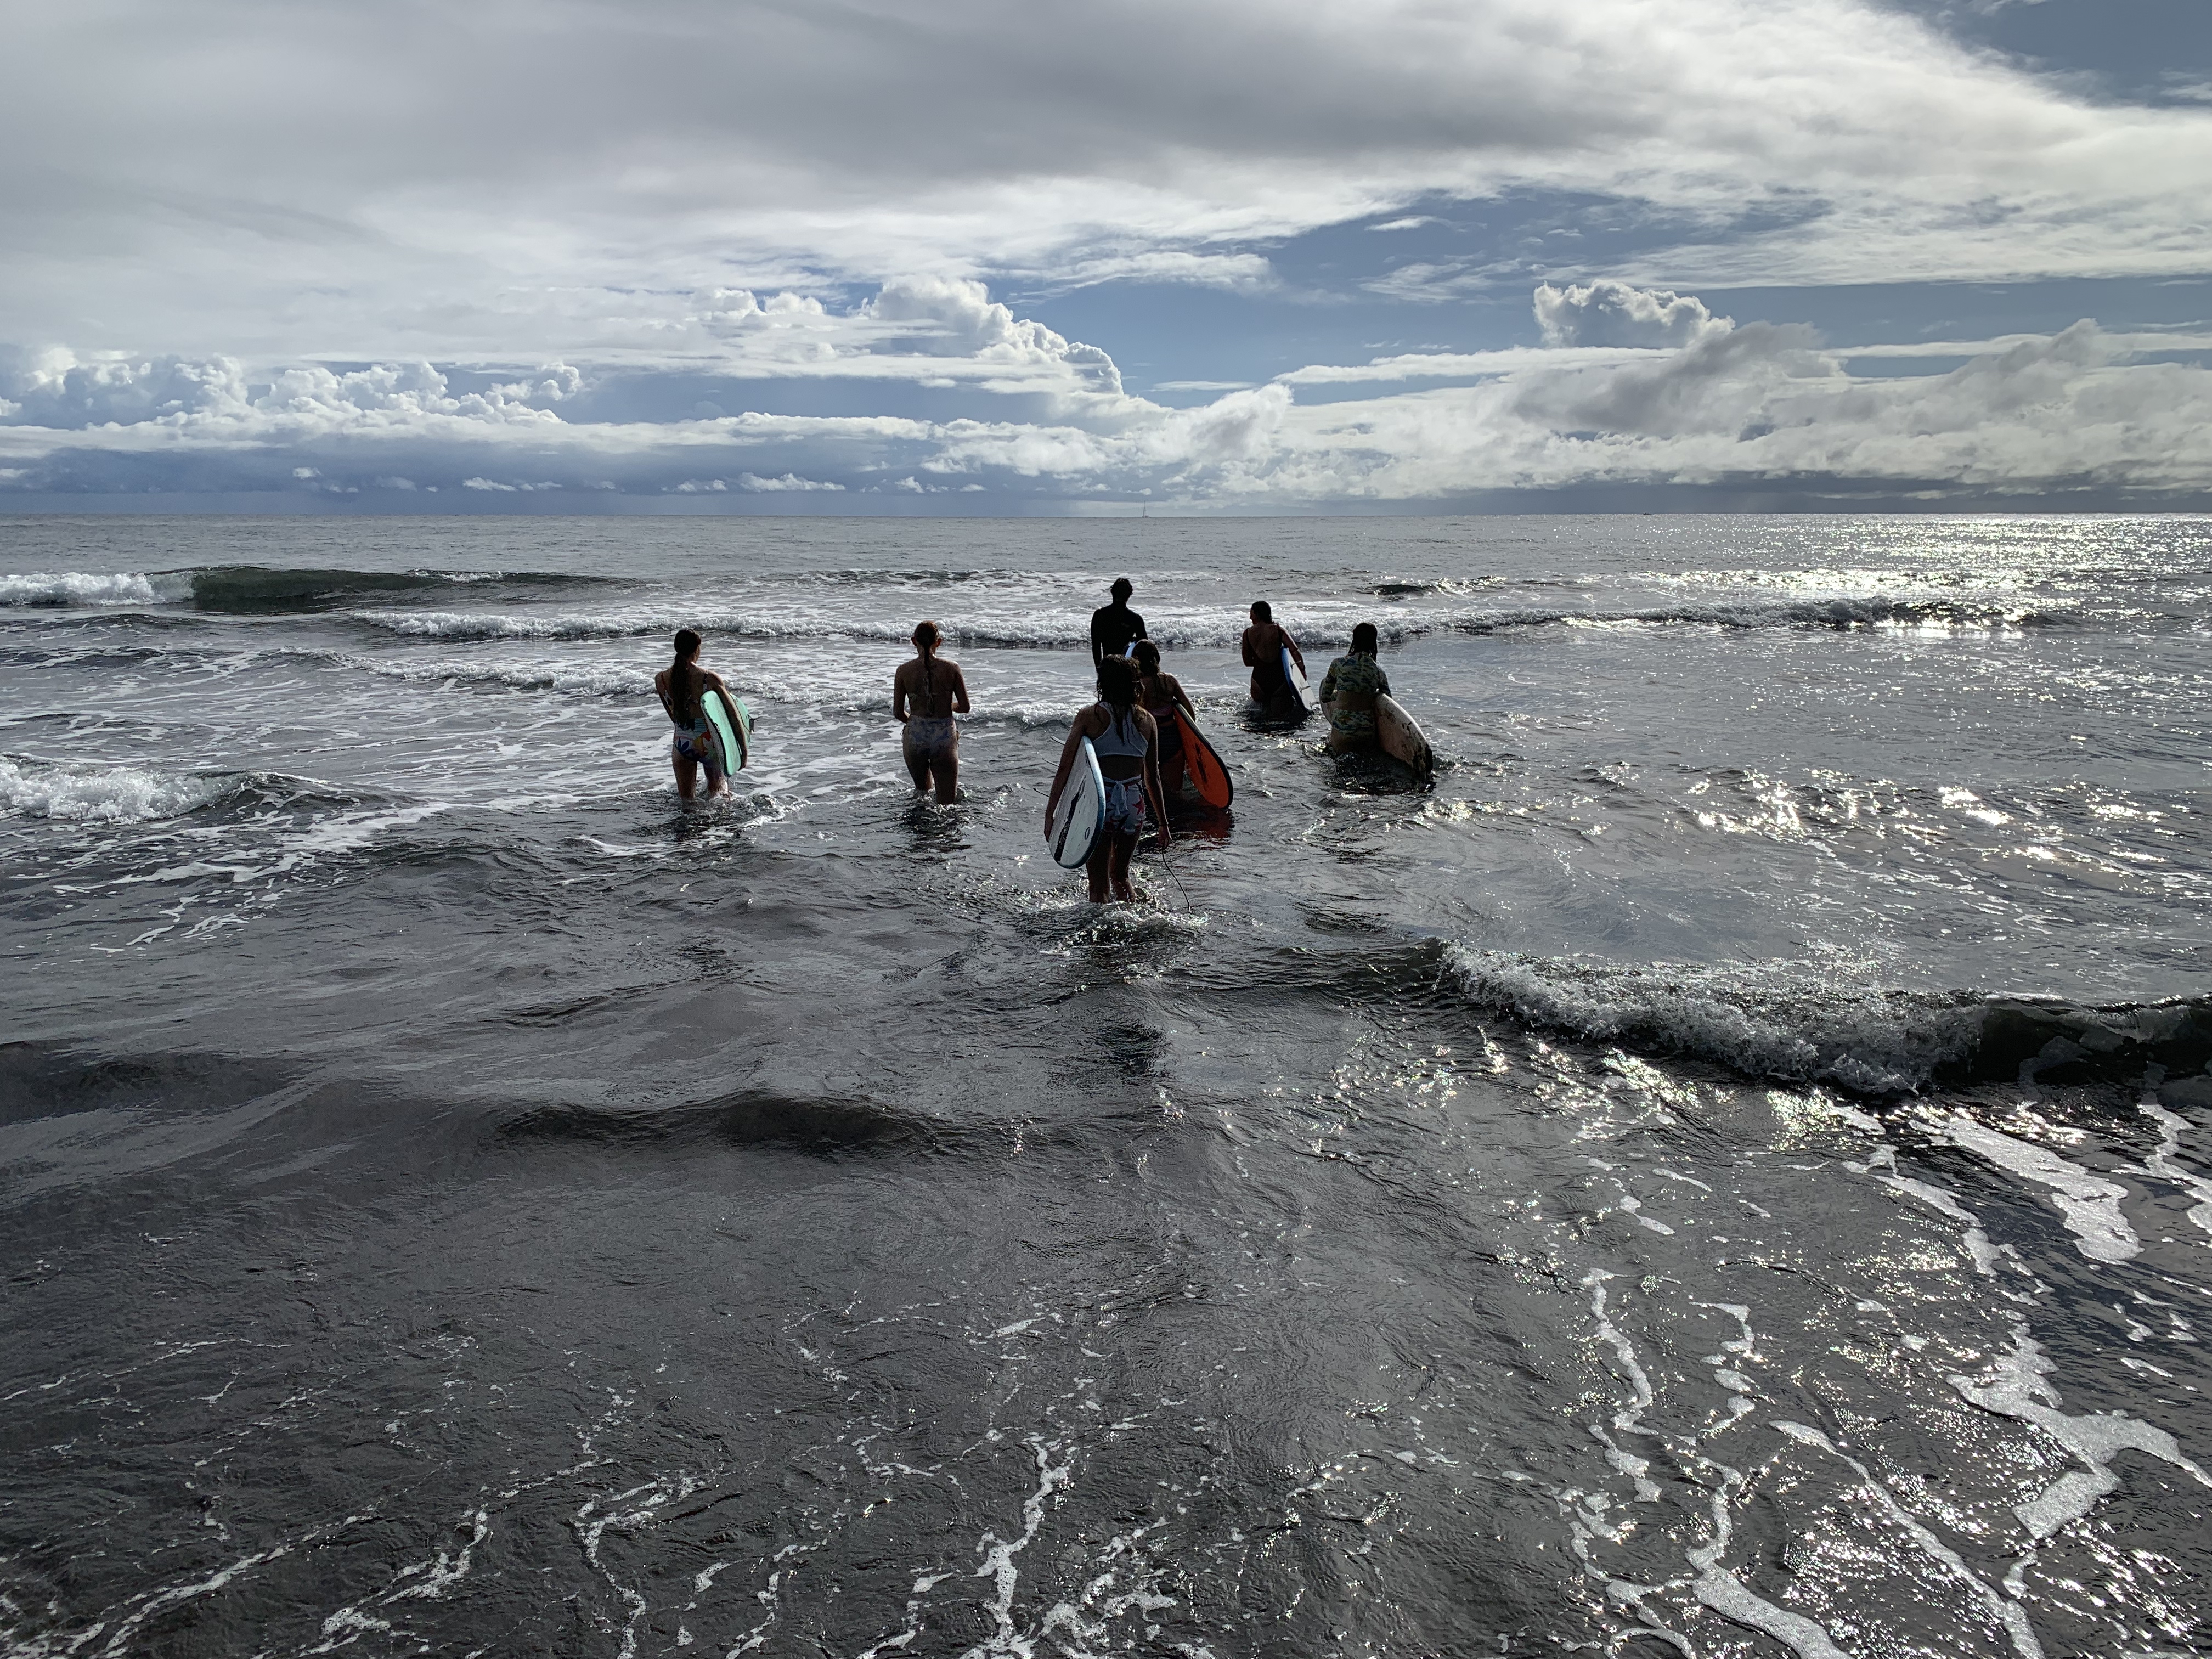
(788, 481)
(1760, 405)
(956, 317)
(57, 388)
(1702, 402)
(1613, 313)
(1707, 387)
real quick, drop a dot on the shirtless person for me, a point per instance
(1265, 642)
(926, 694)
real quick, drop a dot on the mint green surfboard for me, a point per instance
(734, 727)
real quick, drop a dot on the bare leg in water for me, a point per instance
(941, 771)
(1108, 865)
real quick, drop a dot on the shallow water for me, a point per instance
(1726, 1171)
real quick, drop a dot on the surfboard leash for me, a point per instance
(1169, 868)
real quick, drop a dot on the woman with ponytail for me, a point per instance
(1126, 741)
(680, 686)
(926, 694)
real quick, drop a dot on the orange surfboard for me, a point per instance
(1205, 767)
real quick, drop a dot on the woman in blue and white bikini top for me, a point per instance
(1126, 739)
(680, 686)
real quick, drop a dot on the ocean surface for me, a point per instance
(1728, 1172)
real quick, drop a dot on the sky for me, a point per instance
(983, 256)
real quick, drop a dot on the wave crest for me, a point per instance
(75, 792)
(61, 588)
(1789, 1022)
(1324, 625)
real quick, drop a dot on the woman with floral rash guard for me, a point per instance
(1348, 691)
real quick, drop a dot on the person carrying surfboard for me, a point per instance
(1265, 642)
(927, 692)
(681, 688)
(1163, 698)
(1113, 626)
(1349, 689)
(1126, 740)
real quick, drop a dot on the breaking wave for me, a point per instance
(71, 793)
(246, 589)
(1322, 625)
(79, 587)
(1784, 1021)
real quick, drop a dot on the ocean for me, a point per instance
(1726, 1171)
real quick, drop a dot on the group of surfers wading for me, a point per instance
(1136, 729)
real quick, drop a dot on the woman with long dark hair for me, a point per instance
(1127, 740)
(680, 686)
(927, 692)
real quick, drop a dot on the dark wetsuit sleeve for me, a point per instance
(1099, 635)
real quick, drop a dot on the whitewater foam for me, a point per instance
(107, 795)
(2090, 1204)
(1770, 1019)
(77, 587)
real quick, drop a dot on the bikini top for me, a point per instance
(1122, 736)
(698, 723)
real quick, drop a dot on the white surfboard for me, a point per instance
(1296, 678)
(1080, 816)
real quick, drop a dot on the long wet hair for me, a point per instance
(1117, 688)
(1365, 641)
(684, 680)
(1148, 658)
(927, 636)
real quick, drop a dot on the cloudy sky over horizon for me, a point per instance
(1213, 255)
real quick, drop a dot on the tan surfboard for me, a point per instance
(1403, 740)
(1398, 735)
